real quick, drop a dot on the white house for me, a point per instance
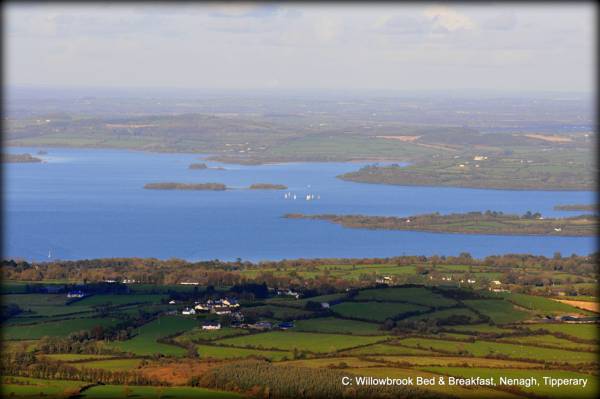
(172, 302)
(188, 311)
(325, 305)
(201, 307)
(211, 326)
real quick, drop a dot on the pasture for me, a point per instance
(499, 311)
(513, 351)
(309, 342)
(144, 343)
(340, 326)
(375, 311)
(416, 295)
(54, 328)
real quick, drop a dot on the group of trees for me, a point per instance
(220, 273)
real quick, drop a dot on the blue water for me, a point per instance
(90, 203)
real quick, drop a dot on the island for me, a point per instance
(198, 166)
(186, 186)
(21, 158)
(201, 166)
(577, 207)
(267, 186)
(489, 222)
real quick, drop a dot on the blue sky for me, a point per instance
(421, 46)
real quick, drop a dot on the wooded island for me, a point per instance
(468, 223)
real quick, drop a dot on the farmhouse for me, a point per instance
(324, 305)
(76, 294)
(220, 310)
(261, 325)
(211, 325)
(188, 311)
(285, 325)
(384, 280)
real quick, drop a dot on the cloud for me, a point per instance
(447, 20)
(402, 24)
(505, 21)
(243, 10)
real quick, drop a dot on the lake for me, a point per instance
(89, 203)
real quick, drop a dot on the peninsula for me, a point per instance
(493, 223)
(267, 186)
(186, 186)
(577, 207)
(507, 173)
(21, 158)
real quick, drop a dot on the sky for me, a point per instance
(421, 46)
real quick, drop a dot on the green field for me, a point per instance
(198, 334)
(551, 340)
(334, 325)
(582, 331)
(223, 352)
(144, 343)
(110, 364)
(55, 328)
(444, 314)
(375, 311)
(543, 305)
(36, 388)
(386, 349)
(118, 391)
(420, 296)
(26, 300)
(480, 328)
(74, 357)
(310, 342)
(499, 311)
(281, 312)
(513, 351)
(122, 299)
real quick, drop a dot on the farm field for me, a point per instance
(405, 330)
(310, 342)
(198, 334)
(118, 391)
(514, 351)
(445, 314)
(54, 328)
(122, 299)
(544, 305)
(35, 387)
(552, 341)
(419, 296)
(110, 364)
(341, 326)
(226, 352)
(499, 311)
(375, 311)
(582, 331)
(145, 342)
